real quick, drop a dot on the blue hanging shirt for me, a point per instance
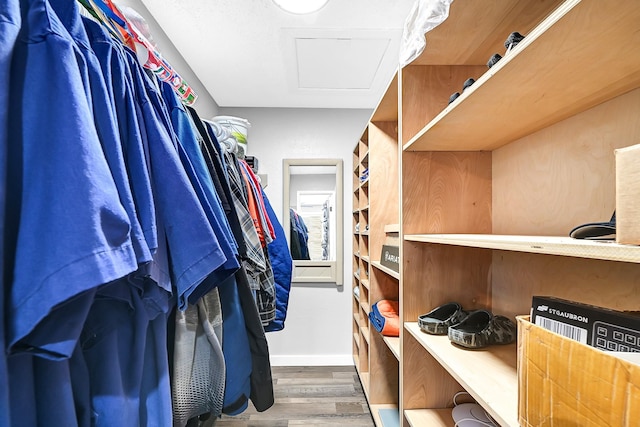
(118, 83)
(192, 245)
(195, 166)
(9, 27)
(72, 230)
(105, 120)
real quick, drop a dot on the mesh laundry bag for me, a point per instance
(199, 368)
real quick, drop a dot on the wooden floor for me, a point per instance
(317, 395)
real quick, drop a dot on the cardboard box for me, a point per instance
(562, 382)
(599, 327)
(628, 195)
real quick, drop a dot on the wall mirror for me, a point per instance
(312, 206)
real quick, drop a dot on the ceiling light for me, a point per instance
(301, 7)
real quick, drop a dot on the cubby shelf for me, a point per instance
(394, 345)
(429, 417)
(386, 270)
(549, 245)
(488, 374)
(377, 199)
(551, 75)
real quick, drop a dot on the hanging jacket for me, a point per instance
(282, 265)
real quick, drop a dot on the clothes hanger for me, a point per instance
(91, 11)
(224, 137)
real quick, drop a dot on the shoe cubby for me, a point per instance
(378, 206)
(506, 171)
(485, 189)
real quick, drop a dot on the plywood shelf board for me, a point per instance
(386, 270)
(429, 417)
(364, 380)
(548, 245)
(387, 109)
(542, 87)
(488, 374)
(365, 333)
(394, 345)
(365, 283)
(477, 30)
(365, 306)
(392, 228)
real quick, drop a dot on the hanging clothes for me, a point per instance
(282, 264)
(152, 281)
(9, 28)
(325, 231)
(77, 228)
(299, 236)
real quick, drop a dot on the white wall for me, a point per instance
(318, 325)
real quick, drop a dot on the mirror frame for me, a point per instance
(305, 271)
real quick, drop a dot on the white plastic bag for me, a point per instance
(423, 17)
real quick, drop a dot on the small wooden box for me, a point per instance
(628, 195)
(562, 382)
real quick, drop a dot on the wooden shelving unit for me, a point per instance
(377, 198)
(489, 187)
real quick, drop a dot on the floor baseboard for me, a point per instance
(312, 360)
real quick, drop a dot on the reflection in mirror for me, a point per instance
(313, 208)
(312, 200)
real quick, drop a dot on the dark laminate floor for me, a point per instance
(317, 395)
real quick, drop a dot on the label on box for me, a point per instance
(598, 327)
(390, 257)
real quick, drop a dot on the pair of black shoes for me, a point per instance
(511, 42)
(465, 85)
(475, 329)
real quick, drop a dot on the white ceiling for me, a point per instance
(250, 53)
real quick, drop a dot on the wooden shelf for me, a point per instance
(364, 330)
(394, 345)
(356, 317)
(365, 283)
(387, 110)
(364, 380)
(488, 374)
(386, 270)
(549, 245)
(376, 415)
(429, 417)
(468, 19)
(365, 258)
(554, 73)
(365, 306)
(392, 228)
